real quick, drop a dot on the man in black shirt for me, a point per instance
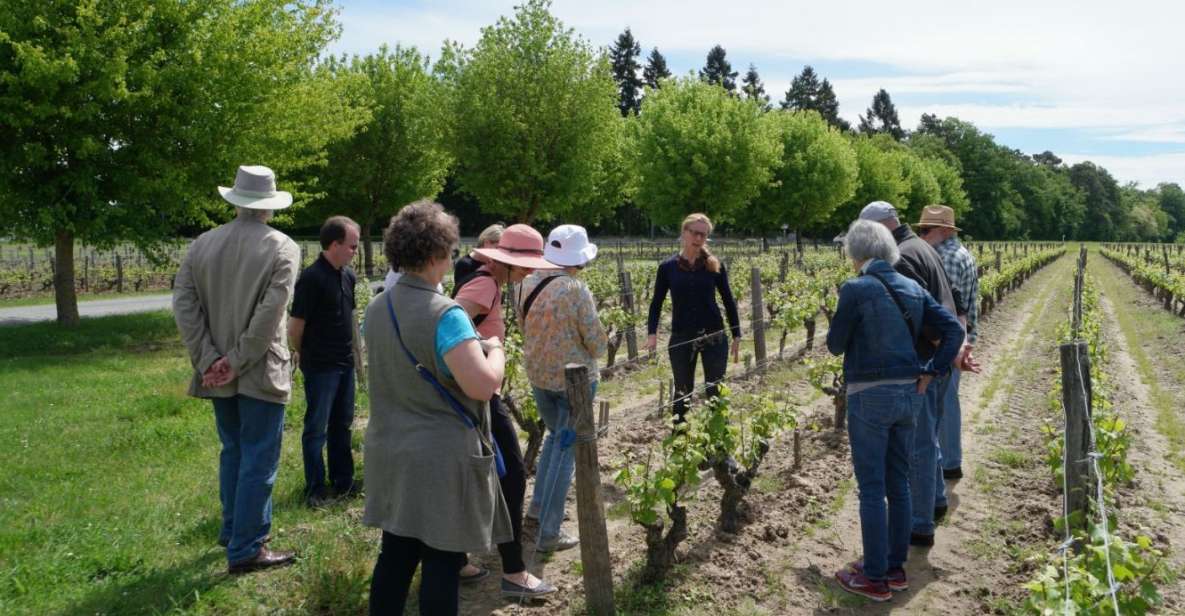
(922, 264)
(321, 330)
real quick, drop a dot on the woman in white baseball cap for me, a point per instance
(560, 327)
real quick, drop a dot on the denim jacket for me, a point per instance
(871, 333)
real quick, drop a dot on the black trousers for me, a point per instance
(514, 484)
(440, 579)
(683, 354)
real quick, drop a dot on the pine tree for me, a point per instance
(804, 91)
(624, 56)
(753, 88)
(828, 107)
(718, 71)
(656, 69)
(881, 117)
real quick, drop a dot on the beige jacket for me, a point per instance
(231, 299)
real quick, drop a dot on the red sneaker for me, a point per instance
(894, 578)
(857, 584)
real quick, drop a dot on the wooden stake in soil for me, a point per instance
(758, 314)
(1075, 361)
(627, 302)
(590, 508)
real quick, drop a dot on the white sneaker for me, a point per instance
(562, 542)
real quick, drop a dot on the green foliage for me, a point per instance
(536, 124)
(398, 155)
(881, 117)
(881, 178)
(624, 58)
(818, 170)
(656, 70)
(652, 488)
(718, 71)
(753, 89)
(1137, 565)
(696, 148)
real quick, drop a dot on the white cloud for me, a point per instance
(1158, 134)
(1147, 171)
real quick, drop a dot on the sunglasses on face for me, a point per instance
(702, 235)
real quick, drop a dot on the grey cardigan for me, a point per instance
(427, 473)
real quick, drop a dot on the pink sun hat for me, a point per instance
(521, 246)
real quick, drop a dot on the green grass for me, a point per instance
(109, 496)
(1012, 459)
(1139, 326)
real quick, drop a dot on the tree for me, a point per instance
(624, 57)
(718, 71)
(399, 154)
(881, 178)
(804, 91)
(120, 118)
(1104, 207)
(696, 148)
(817, 171)
(828, 107)
(881, 117)
(656, 69)
(753, 88)
(536, 123)
(1172, 202)
(1047, 158)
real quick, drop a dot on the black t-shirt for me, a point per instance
(324, 298)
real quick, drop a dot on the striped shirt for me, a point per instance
(961, 270)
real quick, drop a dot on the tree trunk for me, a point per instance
(367, 250)
(660, 549)
(798, 240)
(63, 279)
(735, 486)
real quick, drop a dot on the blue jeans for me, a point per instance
(880, 430)
(925, 479)
(330, 397)
(250, 431)
(950, 440)
(557, 462)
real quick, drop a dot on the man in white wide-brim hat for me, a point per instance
(230, 301)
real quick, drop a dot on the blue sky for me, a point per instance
(1089, 80)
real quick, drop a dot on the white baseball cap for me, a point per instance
(568, 246)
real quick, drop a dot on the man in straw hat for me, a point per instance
(937, 227)
(229, 301)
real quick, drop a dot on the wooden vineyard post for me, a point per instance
(31, 266)
(118, 272)
(627, 303)
(1075, 360)
(590, 508)
(758, 316)
(998, 260)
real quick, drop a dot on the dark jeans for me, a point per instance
(514, 485)
(440, 580)
(330, 397)
(925, 480)
(683, 357)
(881, 432)
(250, 431)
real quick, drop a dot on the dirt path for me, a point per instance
(1155, 504)
(1002, 506)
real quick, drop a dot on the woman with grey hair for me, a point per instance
(878, 318)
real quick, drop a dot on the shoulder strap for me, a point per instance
(900, 305)
(444, 393)
(535, 293)
(477, 320)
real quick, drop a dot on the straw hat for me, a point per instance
(938, 216)
(520, 245)
(255, 188)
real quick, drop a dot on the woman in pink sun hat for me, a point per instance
(519, 252)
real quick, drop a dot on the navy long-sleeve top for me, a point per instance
(693, 298)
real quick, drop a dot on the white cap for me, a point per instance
(568, 246)
(878, 211)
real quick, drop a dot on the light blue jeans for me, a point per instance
(926, 485)
(950, 440)
(881, 433)
(250, 430)
(557, 461)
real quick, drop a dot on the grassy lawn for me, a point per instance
(109, 495)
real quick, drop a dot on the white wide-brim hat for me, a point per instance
(568, 246)
(255, 188)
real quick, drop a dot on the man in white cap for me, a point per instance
(230, 301)
(921, 263)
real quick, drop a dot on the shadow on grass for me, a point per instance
(125, 332)
(164, 590)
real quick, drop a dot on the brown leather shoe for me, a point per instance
(264, 559)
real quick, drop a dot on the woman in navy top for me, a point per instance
(693, 277)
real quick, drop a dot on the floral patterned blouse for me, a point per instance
(561, 328)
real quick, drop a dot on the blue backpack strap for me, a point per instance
(444, 393)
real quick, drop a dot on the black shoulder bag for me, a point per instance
(530, 301)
